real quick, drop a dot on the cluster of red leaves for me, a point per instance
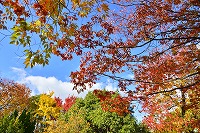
(46, 7)
(40, 11)
(113, 102)
(58, 102)
(18, 9)
(69, 101)
(177, 78)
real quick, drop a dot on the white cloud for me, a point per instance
(39, 84)
(61, 89)
(46, 85)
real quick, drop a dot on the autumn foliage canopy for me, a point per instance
(13, 96)
(156, 41)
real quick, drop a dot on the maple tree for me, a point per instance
(156, 40)
(113, 102)
(58, 102)
(13, 96)
(174, 104)
(69, 101)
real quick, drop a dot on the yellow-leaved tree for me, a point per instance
(46, 111)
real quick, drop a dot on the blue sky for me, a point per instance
(53, 77)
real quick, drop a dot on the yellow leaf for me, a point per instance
(38, 23)
(72, 45)
(71, 30)
(82, 14)
(46, 106)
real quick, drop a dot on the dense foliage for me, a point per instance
(157, 41)
(92, 114)
(88, 116)
(13, 96)
(17, 123)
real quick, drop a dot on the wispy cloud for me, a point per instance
(20, 73)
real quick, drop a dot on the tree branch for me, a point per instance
(178, 88)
